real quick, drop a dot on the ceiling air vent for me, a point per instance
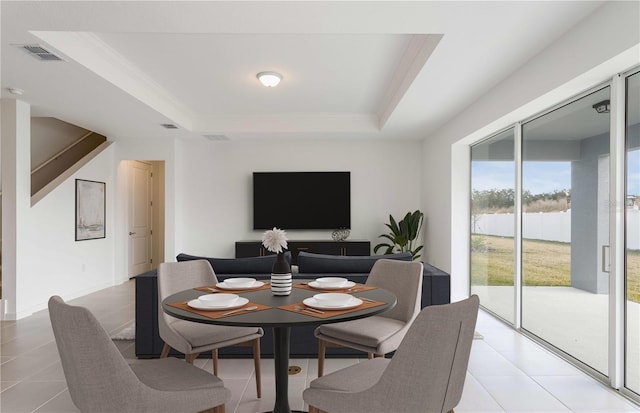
(40, 53)
(216, 137)
(168, 126)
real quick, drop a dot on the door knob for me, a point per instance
(131, 233)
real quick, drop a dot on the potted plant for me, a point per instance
(403, 235)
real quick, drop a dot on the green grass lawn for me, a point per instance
(544, 263)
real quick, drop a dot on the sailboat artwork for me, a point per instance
(90, 210)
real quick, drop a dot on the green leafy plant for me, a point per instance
(403, 235)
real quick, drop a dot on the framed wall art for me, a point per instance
(90, 210)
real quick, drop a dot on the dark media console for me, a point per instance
(245, 249)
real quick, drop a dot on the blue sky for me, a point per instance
(541, 177)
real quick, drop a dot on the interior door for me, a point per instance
(139, 218)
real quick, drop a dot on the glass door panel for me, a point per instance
(493, 224)
(565, 228)
(632, 345)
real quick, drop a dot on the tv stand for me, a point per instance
(246, 249)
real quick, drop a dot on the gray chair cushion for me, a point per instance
(199, 334)
(326, 264)
(368, 332)
(357, 378)
(172, 374)
(249, 265)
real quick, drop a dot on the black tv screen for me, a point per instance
(301, 200)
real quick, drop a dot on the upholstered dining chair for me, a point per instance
(425, 375)
(100, 380)
(191, 338)
(378, 335)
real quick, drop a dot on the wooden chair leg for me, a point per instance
(217, 409)
(256, 363)
(190, 357)
(321, 351)
(315, 410)
(214, 358)
(165, 351)
(369, 356)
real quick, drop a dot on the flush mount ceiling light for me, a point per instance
(602, 107)
(15, 91)
(269, 79)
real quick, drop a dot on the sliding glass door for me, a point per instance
(632, 284)
(493, 176)
(565, 228)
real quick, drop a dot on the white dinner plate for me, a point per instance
(345, 286)
(199, 305)
(313, 303)
(224, 286)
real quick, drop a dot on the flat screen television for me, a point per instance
(301, 200)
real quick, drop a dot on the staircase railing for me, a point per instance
(64, 159)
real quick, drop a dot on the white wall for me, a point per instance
(604, 43)
(214, 187)
(53, 262)
(40, 254)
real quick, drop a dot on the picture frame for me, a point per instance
(90, 210)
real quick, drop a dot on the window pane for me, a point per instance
(493, 224)
(632, 358)
(565, 228)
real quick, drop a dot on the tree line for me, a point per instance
(503, 200)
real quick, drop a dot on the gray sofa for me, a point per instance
(435, 290)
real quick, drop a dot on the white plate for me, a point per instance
(344, 286)
(198, 305)
(313, 303)
(224, 286)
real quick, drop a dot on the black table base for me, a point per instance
(281, 337)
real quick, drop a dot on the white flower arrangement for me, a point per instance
(275, 240)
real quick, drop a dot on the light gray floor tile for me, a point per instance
(4, 359)
(6, 384)
(476, 398)
(28, 396)
(61, 403)
(520, 393)
(491, 364)
(583, 394)
(52, 373)
(540, 363)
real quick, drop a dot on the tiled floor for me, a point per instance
(507, 372)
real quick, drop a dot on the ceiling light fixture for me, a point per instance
(15, 91)
(269, 79)
(602, 107)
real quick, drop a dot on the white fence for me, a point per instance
(547, 226)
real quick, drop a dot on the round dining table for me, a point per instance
(282, 320)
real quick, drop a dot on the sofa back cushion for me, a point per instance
(326, 264)
(249, 265)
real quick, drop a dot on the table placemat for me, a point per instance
(358, 288)
(215, 314)
(295, 308)
(206, 289)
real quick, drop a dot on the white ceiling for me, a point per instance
(368, 70)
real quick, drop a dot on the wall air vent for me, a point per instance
(217, 137)
(41, 53)
(168, 126)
